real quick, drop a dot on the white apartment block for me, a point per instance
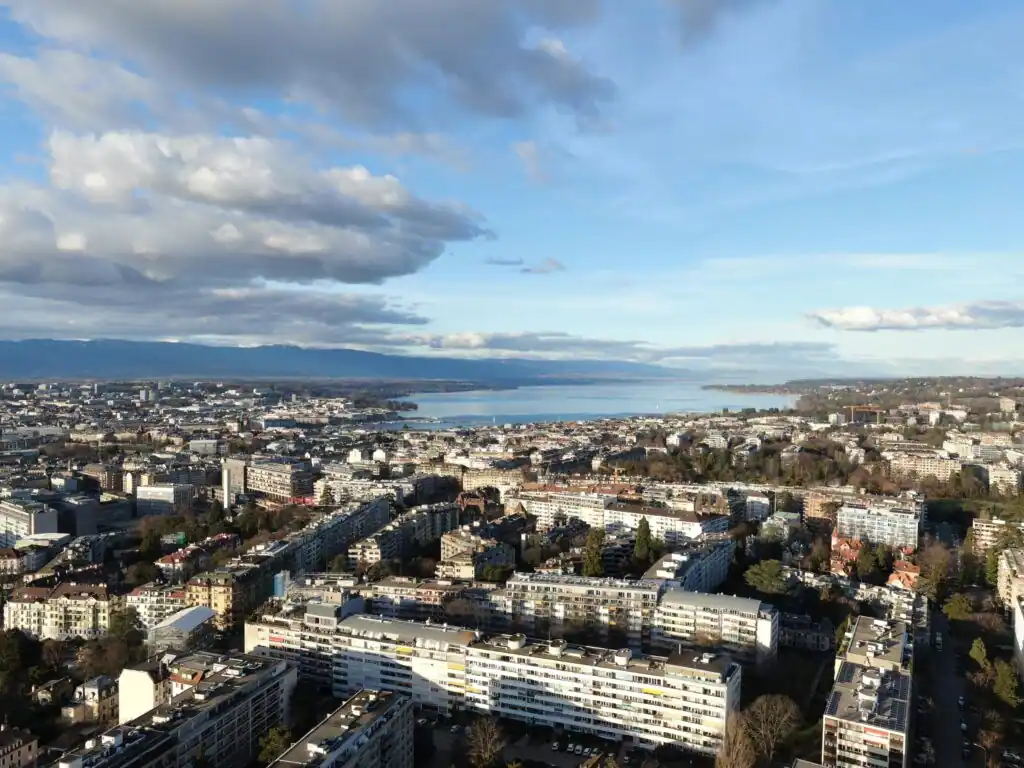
(987, 533)
(155, 602)
(318, 543)
(545, 602)
(672, 525)
(1018, 635)
(230, 703)
(699, 568)
(64, 612)
(896, 527)
(1004, 479)
(163, 499)
(553, 508)
(1010, 583)
(867, 716)
(420, 526)
(681, 699)
(746, 629)
(373, 729)
(279, 479)
(904, 465)
(20, 518)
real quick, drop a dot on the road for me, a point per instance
(945, 687)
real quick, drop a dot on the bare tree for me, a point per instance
(485, 742)
(991, 734)
(736, 750)
(769, 721)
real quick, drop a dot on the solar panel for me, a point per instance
(833, 703)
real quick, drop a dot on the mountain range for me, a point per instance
(116, 359)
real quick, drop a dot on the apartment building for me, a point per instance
(681, 699)
(94, 702)
(1010, 582)
(896, 527)
(465, 555)
(554, 508)
(867, 716)
(373, 729)
(302, 634)
(163, 499)
(224, 706)
(233, 479)
(674, 526)
(232, 592)
(20, 518)
(64, 612)
(19, 748)
(1004, 479)
(988, 533)
(699, 567)
(315, 546)
(546, 603)
(155, 602)
(407, 597)
(757, 506)
(109, 477)
(420, 526)
(746, 629)
(907, 465)
(279, 479)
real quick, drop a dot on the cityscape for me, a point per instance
(511, 384)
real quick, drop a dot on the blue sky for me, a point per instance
(792, 187)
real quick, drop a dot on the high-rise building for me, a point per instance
(373, 729)
(20, 518)
(897, 527)
(867, 715)
(747, 629)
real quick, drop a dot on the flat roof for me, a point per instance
(187, 619)
(409, 631)
(875, 641)
(342, 730)
(879, 698)
(713, 601)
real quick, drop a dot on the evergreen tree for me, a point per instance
(593, 564)
(642, 548)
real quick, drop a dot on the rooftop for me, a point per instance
(876, 697)
(408, 631)
(681, 597)
(187, 619)
(339, 736)
(879, 643)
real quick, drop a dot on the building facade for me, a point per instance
(746, 629)
(896, 527)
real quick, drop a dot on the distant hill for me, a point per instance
(113, 359)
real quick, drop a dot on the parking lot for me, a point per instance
(530, 745)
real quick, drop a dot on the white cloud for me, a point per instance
(972, 316)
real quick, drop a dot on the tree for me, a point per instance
(274, 743)
(338, 564)
(958, 607)
(769, 721)
(991, 733)
(736, 750)
(766, 577)
(611, 762)
(1004, 684)
(53, 654)
(125, 626)
(642, 547)
(979, 653)
(140, 573)
(935, 561)
(485, 742)
(992, 567)
(593, 563)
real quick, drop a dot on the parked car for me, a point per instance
(1010, 756)
(554, 747)
(455, 728)
(960, 702)
(579, 749)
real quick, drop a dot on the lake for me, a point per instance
(583, 401)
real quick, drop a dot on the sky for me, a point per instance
(784, 187)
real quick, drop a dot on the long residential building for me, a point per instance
(1010, 581)
(896, 527)
(545, 603)
(222, 707)
(65, 612)
(745, 628)
(420, 526)
(683, 698)
(988, 533)
(907, 465)
(279, 478)
(867, 715)
(372, 729)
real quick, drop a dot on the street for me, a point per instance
(943, 722)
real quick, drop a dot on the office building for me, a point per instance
(20, 518)
(163, 499)
(895, 527)
(373, 729)
(747, 629)
(222, 708)
(867, 715)
(233, 480)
